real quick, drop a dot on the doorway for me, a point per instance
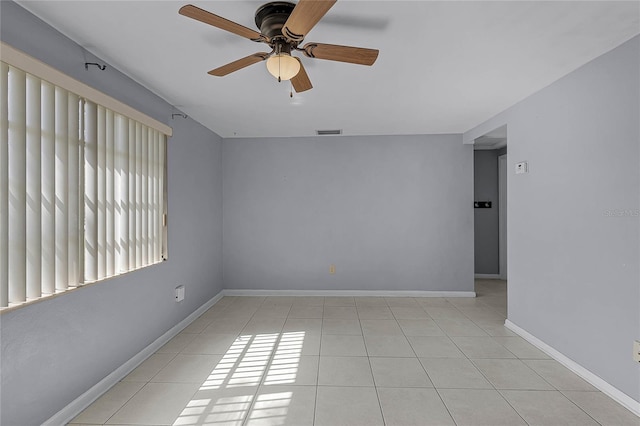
(490, 215)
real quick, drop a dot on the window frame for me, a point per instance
(24, 62)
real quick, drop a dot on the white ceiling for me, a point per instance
(444, 67)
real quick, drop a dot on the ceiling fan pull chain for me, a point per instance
(290, 89)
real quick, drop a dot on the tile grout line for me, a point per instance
(138, 391)
(315, 402)
(470, 360)
(266, 369)
(483, 375)
(498, 391)
(268, 362)
(580, 408)
(427, 373)
(445, 405)
(538, 390)
(373, 377)
(554, 389)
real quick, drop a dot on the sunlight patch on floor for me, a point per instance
(233, 383)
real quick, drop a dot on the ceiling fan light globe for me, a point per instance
(283, 66)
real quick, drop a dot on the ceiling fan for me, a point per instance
(283, 26)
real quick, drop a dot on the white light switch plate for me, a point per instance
(522, 167)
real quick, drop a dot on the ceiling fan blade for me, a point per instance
(301, 82)
(202, 15)
(304, 17)
(334, 52)
(239, 64)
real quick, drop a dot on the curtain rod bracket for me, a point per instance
(102, 67)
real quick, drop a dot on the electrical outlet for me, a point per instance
(180, 293)
(332, 269)
(636, 351)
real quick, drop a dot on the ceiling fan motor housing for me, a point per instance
(271, 17)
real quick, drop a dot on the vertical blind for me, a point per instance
(81, 190)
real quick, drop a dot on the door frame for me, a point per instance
(502, 215)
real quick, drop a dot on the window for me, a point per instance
(82, 183)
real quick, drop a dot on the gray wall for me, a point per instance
(574, 279)
(55, 350)
(485, 188)
(392, 213)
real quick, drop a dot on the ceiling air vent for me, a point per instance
(329, 132)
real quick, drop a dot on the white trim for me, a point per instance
(74, 408)
(606, 388)
(488, 147)
(21, 60)
(360, 293)
(494, 143)
(487, 276)
(503, 180)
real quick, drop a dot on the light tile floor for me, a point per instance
(354, 361)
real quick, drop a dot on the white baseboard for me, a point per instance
(606, 388)
(357, 293)
(67, 414)
(488, 276)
